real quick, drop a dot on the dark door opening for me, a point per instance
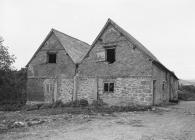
(110, 55)
(154, 92)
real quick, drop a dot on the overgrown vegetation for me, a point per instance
(12, 82)
(186, 93)
(77, 107)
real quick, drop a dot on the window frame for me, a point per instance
(108, 88)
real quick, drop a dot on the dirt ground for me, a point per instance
(174, 122)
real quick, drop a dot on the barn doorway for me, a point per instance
(154, 92)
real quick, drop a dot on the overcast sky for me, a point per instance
(165, 27)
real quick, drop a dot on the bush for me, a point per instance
(45, 106)
(98, 103)
(186, 93)
(68, 104)
(83, 102)
(57, 104)
(10, 107)
(31, 107)
(13, 87)
(189, 88)
(80, 103)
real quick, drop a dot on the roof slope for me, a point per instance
(132, 40)
(75, 48)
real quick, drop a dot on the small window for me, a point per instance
(51, 57)
(106, 89)
(109, 87)
(110, 55)
(163, 85)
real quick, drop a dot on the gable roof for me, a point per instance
(135, 42)
(75, 48)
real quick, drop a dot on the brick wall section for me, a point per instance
(129, 61)
(39, 66)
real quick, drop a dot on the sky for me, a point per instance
(165, 27)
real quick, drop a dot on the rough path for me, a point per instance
(176, 122)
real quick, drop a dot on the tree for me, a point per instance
(12, 81)
(6, 59)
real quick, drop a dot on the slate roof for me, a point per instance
(135, 42)
(75, 48)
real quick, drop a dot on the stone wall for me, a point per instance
(134, 90)
(65, 90)
(127, 91)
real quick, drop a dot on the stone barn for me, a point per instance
(52, 68)
(116, 69)
(125, 71)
